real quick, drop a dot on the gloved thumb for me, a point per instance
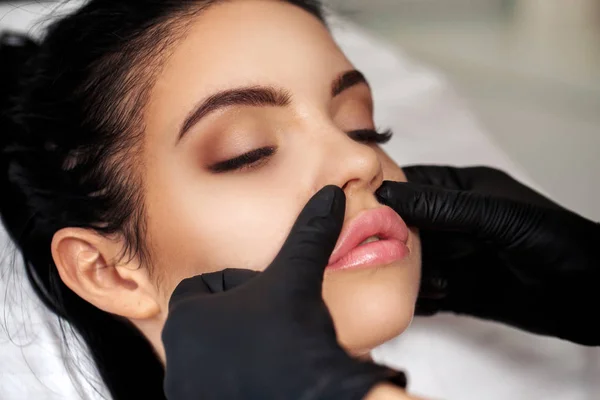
(306, 251)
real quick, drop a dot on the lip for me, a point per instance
(382, 222)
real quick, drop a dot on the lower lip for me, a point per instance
(372, 254)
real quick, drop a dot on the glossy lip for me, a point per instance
(382, 222)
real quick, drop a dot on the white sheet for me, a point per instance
(446, 357)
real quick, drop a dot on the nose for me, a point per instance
(351, 165)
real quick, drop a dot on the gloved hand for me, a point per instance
(269, 336)
(495, 249)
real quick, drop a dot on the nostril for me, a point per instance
(348, 183)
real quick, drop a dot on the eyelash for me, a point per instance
(257, 157)
(247, 160)
(371, 136)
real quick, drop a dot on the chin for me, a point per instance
(374, 332)
(373, 305)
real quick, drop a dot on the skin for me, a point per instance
(200, 221)
(388, 392)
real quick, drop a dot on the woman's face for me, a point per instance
(261, 74)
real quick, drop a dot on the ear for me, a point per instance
(90, 265)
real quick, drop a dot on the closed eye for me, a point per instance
(371, 136)
(247, 160)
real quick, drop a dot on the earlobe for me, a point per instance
(87, 264)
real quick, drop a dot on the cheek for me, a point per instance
(246, 234)
(208, 229)
(391, 170)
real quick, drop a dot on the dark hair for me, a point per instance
(70, 128)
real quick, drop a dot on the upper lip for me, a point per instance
(382, 222)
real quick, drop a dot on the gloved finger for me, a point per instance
(486, 217)
(306, 251)
(497, 183)
(425, 206)
(435, 175)
(484, 180)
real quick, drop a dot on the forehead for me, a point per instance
(246, 42)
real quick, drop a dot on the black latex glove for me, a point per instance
(271, 337)
(495, 249)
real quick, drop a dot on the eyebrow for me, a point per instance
(249, 96)
(346, 80)
(260, 96)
